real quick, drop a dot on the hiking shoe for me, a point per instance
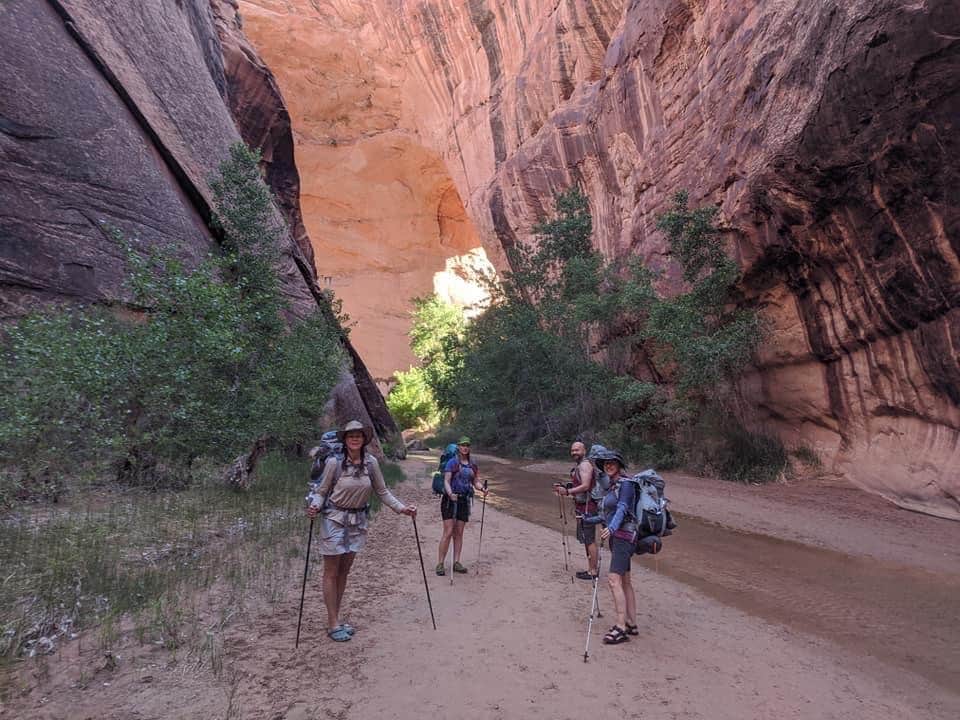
(440, 569)
(457, 567)
(586, 575)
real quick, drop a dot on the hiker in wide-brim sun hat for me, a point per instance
(356, 425)
(341, 499)
(606, 456)
(617, 514)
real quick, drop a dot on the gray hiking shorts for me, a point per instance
(339, 539)
(620, 553)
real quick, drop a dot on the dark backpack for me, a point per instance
(329, 446)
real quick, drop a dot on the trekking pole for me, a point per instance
(594, 605)
(303, 590)
(424, 571)
(453, 542)
(597, 579)
(563, 537)
(483, 511)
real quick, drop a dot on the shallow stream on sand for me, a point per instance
(904, 616)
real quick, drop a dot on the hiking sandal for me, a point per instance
(457, 567)
(338, 634)
(632, 629)
(351, 629)
(615, 636)
(440, 569)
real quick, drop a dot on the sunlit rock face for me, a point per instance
(381, 208)
(826, 133)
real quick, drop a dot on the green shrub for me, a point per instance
(436, 336)
(212, 362)
(808, 456)
(701, 333)
(750, 457)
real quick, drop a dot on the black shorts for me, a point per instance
(462, 506)
(620, 553)
(586, 534)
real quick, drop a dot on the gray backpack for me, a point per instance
(650, 513)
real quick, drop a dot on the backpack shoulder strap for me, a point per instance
(632, 511)
(337, 469)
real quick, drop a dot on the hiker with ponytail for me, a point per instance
(460, 480)
(341, 498)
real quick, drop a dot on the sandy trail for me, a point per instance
(509, 645)
(818, 559)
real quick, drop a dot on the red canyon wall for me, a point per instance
(826, 132)
(117, 114)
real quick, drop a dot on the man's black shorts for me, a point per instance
(462, 507)
(586, 534)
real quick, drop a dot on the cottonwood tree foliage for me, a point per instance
(527, 376)
(420, 397)
(212, 361)
(702, 331)
(535, 368)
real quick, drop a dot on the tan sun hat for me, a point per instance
(356, 425)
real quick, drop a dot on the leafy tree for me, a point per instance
(436, 337)
(528, 378)
(701, 331)
(65, 398)
(411, 400)
(550, 358)
(523, 387)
